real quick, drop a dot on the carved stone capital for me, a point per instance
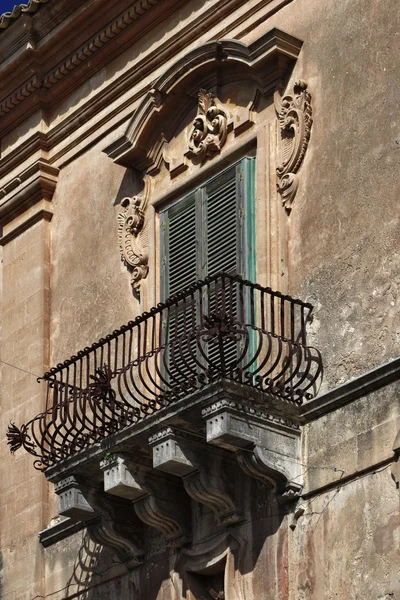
(295, 120)
(130, 230)
(209, 128)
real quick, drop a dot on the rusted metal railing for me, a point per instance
(222, 327)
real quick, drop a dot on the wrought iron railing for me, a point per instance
(222, 327)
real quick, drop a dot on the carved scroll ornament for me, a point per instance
(130, 228)
(209, 128)
(295, 120)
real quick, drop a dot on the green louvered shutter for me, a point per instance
(179, 246)
(209, 231)
(222, 225)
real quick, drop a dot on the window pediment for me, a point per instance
(267, 62)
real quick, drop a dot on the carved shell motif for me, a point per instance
(130, 230)
(295, 120)
(209, 128)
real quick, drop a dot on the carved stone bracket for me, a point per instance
(130, 232)
(154, 502)
(116, 529)
(266, 445)
(109, 521)
(175, 452)
(295, 120)
(209, 128)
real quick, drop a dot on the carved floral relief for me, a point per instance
(130, 231)
(295, 120)
(209, 128)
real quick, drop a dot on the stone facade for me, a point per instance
(109, 113)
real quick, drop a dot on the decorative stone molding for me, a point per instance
(116, 529)
(154, 502)
(209, 128)
(266, 62)
(72, 502)
(80, 55)
(153, 512)
(118, 480)
(105, 532)
(253, 410)
(179, 454)
(267, 446)
(278, 472)
(295, 120)
(208, 490)
(130, 226)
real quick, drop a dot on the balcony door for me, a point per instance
(209, 231)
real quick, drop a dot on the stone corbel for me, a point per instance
(176, 453)
(266, 445)
(108, 522)
(132, 236)
(155, 502)
(116, 529)
(295, 120)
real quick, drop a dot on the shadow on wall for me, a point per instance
(211, 568)
(98, 574)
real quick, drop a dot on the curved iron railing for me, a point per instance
(222, 327)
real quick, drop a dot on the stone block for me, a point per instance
(118, 479)
(71, 501)
(169, 453)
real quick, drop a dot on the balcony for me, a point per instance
(219, 329)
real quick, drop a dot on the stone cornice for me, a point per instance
(32, 185)
(70, 126)
(352, 390)
(49, 75)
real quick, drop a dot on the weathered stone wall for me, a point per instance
(64, 281)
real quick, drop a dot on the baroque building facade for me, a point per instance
(199, 300)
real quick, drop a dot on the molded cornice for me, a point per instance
(34, 184)
(46, 62)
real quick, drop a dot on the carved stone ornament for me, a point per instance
(130, 227)
(209, 127)
(294, 115)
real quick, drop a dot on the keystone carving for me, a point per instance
(130, 233)
(295, 120)
(209, 128)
